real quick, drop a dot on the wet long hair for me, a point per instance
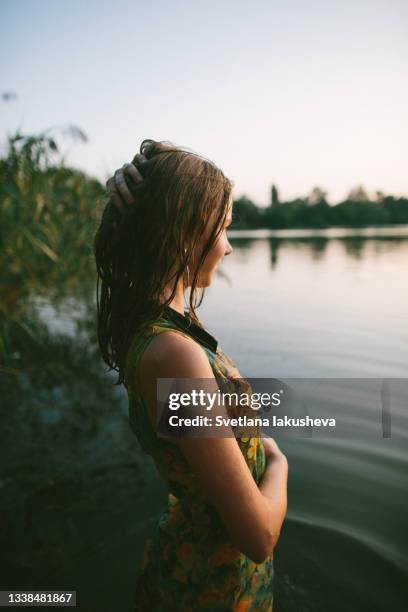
(139, 251)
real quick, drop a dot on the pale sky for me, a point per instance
(293, 92)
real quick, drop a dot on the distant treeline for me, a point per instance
(313, 211)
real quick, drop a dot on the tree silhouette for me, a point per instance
(317, 196)
(274, 196)
(358, 194)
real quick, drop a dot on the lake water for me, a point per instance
(315, 304)
(79, 496)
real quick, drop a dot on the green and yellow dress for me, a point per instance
(190, 563)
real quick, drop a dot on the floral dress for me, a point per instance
(190, 563)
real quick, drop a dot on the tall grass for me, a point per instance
(48, 214)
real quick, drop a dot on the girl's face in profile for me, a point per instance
(221, 248)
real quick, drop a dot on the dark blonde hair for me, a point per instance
(151, 243)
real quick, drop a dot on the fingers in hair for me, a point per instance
(122, 187)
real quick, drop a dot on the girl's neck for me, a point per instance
(177, 302)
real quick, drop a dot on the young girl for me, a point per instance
(163, 230)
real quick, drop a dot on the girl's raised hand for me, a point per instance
(117, 184)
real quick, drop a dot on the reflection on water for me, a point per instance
(78, 495)
(312, 306)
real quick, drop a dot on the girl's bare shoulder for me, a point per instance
(175, 352)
